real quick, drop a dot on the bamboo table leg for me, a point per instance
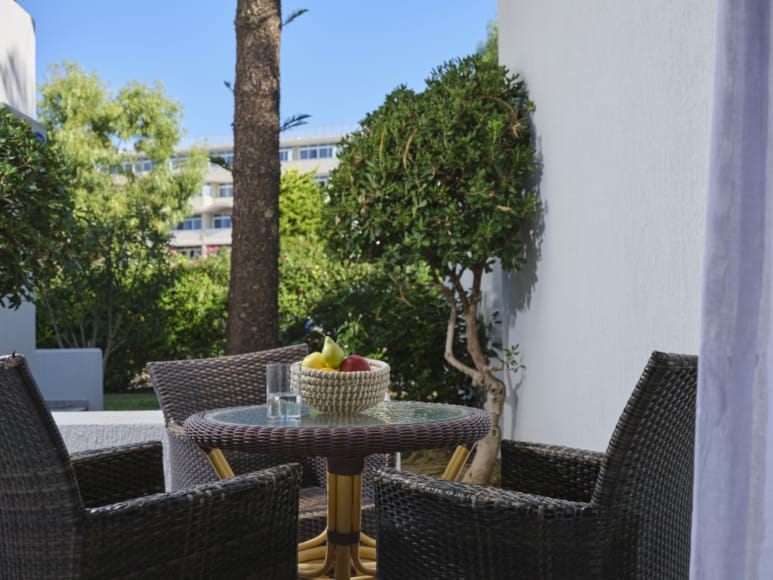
(220, 463)
(344, 506)
(343, 551)
(455, 464)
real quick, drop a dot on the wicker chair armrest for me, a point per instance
(550, 470)
(107, 476)
(243, 527)
(480, 497)
(429, 527)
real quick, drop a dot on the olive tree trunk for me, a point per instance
(253, 320)
(482, 375)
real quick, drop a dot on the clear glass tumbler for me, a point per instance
(282, 397)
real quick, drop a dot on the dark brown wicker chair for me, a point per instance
(188, 386)
(103, 514)
(562, 513)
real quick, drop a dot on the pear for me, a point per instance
(313, 360)
(332, 353)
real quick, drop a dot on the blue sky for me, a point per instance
(339, 60)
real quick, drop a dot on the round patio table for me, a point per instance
(344, 440)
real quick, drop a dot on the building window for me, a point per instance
(190, 223)
(225, 190)
(206, 191)
(286, 154)
(322, 180)
(144, 166)
(322, 151)
(221, 221)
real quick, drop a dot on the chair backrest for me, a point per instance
(645, 484)
(188, 386)
(40, 505)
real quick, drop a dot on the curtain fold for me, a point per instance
(732, 532)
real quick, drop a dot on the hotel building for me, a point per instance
(208, 227)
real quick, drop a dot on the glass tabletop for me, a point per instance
(387, 413)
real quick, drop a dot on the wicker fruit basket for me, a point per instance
(342, 392)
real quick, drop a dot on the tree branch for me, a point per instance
(399, 285)
(450, 297)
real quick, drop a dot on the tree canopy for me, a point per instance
(35, 209)
(118, 148)
(444, 177)
(300, 205)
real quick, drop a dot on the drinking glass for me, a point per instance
(283, 398)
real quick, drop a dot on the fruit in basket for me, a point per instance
(313, 360)
(332, 353)
(354, 362)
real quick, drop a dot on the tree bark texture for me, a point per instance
(482, 375)
(253, 319)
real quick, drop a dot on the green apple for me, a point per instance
(313, 360)
(332, 353)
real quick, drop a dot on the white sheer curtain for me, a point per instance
(732, 532)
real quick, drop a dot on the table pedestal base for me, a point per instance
(342, 549)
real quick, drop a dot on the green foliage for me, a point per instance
(443, 175)
(300, 205)
(35, 210)
(442, 178)
(367, 313)
(109, 294)
(489, 50)
(195, 308)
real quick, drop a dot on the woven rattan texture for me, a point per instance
(139, 467)
(355, 441)
(244, 527)
(342, 392)
(187, 386)
(623, 514)
(550, 470)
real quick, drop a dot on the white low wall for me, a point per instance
(100, 429)
(17, 331)
(70, 374)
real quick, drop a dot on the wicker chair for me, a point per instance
(103, 514)
(188, 386)
(562, 513)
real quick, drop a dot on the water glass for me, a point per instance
(283, 398)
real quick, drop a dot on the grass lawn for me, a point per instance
(130, 402)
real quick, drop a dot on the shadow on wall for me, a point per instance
(518, 287)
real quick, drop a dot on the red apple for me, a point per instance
(354, 362)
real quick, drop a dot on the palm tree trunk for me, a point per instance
(253, 320)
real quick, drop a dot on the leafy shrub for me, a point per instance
(35, 209)
(366, 312)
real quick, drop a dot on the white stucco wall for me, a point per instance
(70, 374)
(17, 89)
(623, 97)
(17, 58)
(17, 331)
